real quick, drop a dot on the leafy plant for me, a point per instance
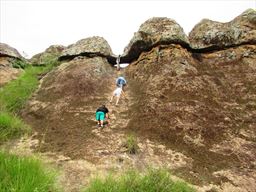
(19, 64)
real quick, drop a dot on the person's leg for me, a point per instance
(111, 99)
(107, 119)
(102, 116)
(117, 99)
(97, 118)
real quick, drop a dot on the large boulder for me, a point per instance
(8, 55)
(8, 51)
(155, 31)
(7, 74)
(92, 46)
(52, 52)
(212, 34)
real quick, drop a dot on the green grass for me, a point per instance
(23, 174)
(132, 181)
(13, 97)
(11, 126)
(131, 144)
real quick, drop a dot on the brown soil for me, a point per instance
(186, 110)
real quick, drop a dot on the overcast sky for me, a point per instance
(32, 26)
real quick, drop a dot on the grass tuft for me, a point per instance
(131, 144)
(11, 126)
(23, 174)
(132, 181)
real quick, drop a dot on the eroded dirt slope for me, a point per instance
(62, 110)
(202, 104)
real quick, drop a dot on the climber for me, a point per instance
(102, 113)
(121, 81)
(118, 62)
(117, 92)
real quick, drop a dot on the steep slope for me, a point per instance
(200, 105)
(192, 106)
(63, 109)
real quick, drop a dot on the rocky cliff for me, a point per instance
(195, 95)
(63, 107)
(201, 100)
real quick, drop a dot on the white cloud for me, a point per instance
(32, 26)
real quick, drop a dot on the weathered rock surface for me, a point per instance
(92, 46)
(7, 74)
(194, 102)
(202, 105)
(155, 31)
(62, 111)
(8, 55)
(54, 51)
(6, 50)
(213, 34)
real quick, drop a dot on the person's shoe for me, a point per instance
(102, 126)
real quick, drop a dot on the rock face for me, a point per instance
(212, 34)
(7, 74)
(8, 55)
(8, 51)
(63, 109)
(91, 46)
(155, 31)
(51, 52)
(201, 104)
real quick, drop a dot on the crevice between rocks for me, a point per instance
(138, 48)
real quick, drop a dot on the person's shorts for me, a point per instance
(117, 92)
(100, 116)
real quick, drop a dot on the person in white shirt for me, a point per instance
(117, 93)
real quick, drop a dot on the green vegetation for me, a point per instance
(23, 174)
(132, 181)
(19, 64)
(13, 97)
(11, 126)
(131, 144)
(49, 61)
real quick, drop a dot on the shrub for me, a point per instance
(23, 174)
(19, 64)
